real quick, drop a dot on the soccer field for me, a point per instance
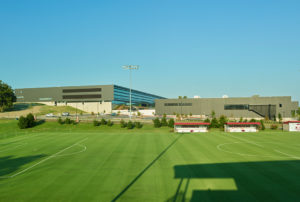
(85, 163)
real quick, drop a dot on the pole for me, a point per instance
(130, 67)
(130, 94)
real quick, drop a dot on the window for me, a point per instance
(45, 98)
(280, 105)
(81, 90)
(178, 104)
(81, 96)
(236, 107)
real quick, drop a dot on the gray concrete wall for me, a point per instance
(204, 106)
(55, 94)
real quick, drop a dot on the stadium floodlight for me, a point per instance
(130, 67)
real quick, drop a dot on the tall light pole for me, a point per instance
(130, 67)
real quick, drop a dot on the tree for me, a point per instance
(103, 121)
(207, 120)
(185, 97)
(130, 125)
(26, 122)
(30, 120)
(7, 96)
(213, 114)
(214, 123)
(279, 117)
(171, 123)
(262, 125)
(123, 124)
(22, 122)
(179, 97)
(157, 123)
(164, 122)
(222, 121)
(109, 123)
(138, 124)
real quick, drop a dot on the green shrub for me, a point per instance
(138, 125)
(164, 121)
(30, 120)
(171, 123)
(253, 120)
(69, 121)
(60, 121)
(123, 124)
(26, 122)
(130, 125)
(103, 121)
(274, 127)
(23, 122)
(109, 123)
(156, 123)
(96, 123)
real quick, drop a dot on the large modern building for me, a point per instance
(98, 98)
(247, 107)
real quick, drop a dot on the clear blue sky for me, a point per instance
(205, 48)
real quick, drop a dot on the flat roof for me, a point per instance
(191, 123)
(243, 123)
(287, 122)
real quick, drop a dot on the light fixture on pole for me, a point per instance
(130, 67)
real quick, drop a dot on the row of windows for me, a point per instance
(133, 94)
(81, 90)
(236, 107)
(81, 96)
(123, 89)
(178, 104)
(122, 96)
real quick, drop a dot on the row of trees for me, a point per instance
(66, 121)
(163, 122)
(220, 122)
(130, 124)
(103, 122)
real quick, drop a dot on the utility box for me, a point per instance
(291, 126)
(241, 126)
(191, 127)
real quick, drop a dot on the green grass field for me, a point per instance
(53, 162)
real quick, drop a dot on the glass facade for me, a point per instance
(121, 96)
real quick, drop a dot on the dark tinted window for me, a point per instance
(81, 96)
(178, 104)
(236, 107)
(81, 90)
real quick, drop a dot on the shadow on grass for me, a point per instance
(254, 181)
(8, 164)
(22, 106)
(39, 122)
(145, 169)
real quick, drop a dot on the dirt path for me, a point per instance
(15, 114)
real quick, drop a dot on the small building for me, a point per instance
(241, 126)
(191, 127)
(291, 126)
